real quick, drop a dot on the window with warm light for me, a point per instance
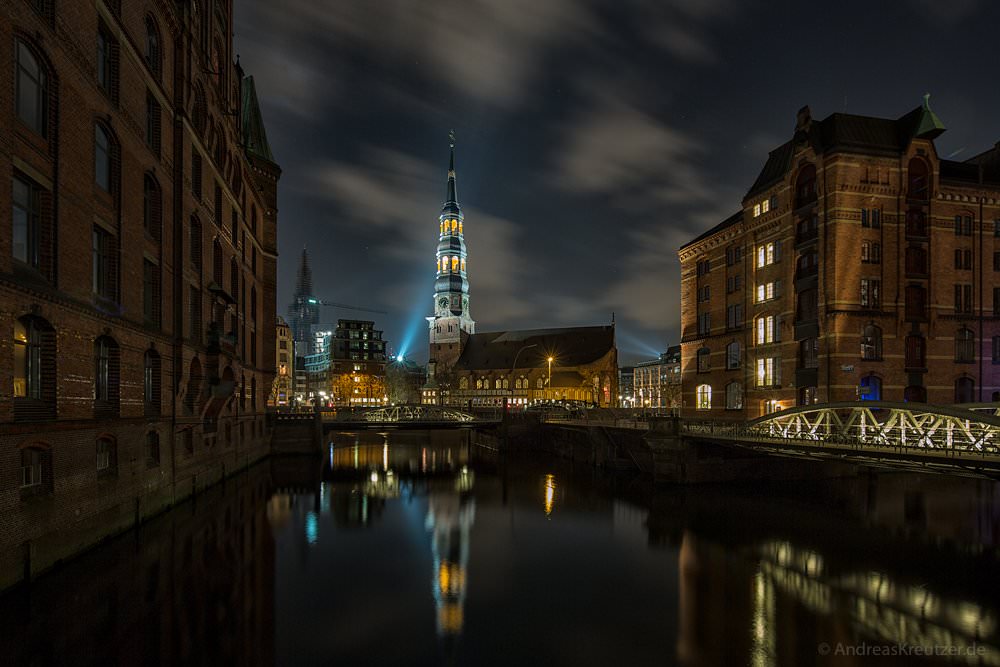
(768, 371)
(766, 330)
(704, 397)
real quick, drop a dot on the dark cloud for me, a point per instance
(595, 137)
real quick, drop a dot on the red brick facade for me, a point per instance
(862, 265)
(137, 314)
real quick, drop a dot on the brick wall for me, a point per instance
(80, 503)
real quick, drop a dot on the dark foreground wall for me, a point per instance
(83, 506)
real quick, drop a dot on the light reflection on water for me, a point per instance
(417, 548)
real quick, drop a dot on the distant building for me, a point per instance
(657, 382)
(466, 368)
(282, 393)
(861, 265)
(626, 390)
(303, 313)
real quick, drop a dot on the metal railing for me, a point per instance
(971, 430)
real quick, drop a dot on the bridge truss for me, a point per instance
(415, 413)
(964, 431)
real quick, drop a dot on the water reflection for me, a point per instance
(419, 548)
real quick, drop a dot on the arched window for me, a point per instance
(766, 329)
(704, 360)
(192, 399)
(199, 111)
(871, 343)
(506, 383)
(915, 353)
(36, 469)
(107, 456)
(234, 278)
(153, 449)
(194, 241)
(454, 263)
(217, 262)
(463, 265)
(965, 346)
(153, 54)
(152, 207)
(871, 388)
(106, 377)
(915, 394)
(479, 383)
(151, 383)
(918, 180)
(34, 369)
(31, 90)
(805, 186)
(734, 355)
(538, 383)
(734, 396)
(463, 383)
(965, 390)
(105, 158)
(496, 383)
(703, 395)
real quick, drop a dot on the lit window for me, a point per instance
(761, 256)
(766, 329)
(768, 371)
(765, 206)
(770, 253)
(756, 210)
(704, 396)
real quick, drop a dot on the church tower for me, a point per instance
(451, 322)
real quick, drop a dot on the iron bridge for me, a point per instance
(950, 434)
(410, 416)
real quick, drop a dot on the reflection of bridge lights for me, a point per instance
(385, 454)
(466, 478)
(550, 493)
(312, 528)
(374, 477)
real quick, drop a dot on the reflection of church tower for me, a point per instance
(451, 321)
(450, 516)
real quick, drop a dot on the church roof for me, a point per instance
(570, 347)
(254, 133)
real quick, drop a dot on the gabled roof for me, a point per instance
(254, 132)
(570, 347)
(851, 132)
(728, 222)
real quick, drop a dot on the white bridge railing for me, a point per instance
(972, 429)
(412, 413)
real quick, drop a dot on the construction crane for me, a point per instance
(344, 306)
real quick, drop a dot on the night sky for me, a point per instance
(594, 137)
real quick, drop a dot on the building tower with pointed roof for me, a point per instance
(303, 313)
(451, 321)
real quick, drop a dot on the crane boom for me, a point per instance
(344, 306)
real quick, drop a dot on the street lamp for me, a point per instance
(551, 359)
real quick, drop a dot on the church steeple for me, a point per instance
(451, 201)
(451, 285)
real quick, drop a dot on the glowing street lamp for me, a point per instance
(551, 359)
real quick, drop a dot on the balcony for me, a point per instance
(806, 231)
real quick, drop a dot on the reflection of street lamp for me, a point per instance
(551, 359)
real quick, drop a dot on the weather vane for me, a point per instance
(451, 137)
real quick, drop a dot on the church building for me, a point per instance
(469, 369)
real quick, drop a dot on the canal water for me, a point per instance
(421, 548)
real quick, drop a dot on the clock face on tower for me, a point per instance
(443, 302)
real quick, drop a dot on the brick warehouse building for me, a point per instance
(861, 266)
(137, 267)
